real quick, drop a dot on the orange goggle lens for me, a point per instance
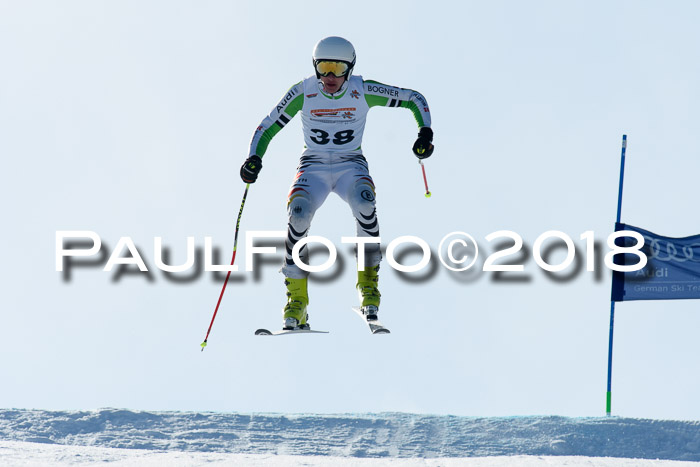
(325, 68)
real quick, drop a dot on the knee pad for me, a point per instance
(299, 212)
(362, 200)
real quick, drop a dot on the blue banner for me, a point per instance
(672, 270)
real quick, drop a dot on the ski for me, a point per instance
(281, 332)
(375, 326)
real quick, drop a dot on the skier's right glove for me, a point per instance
(251, 168)
(423, 148)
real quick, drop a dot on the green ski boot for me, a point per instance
(367, 282)
(295, 315)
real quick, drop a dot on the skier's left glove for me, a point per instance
(423, 147)
(251, 168)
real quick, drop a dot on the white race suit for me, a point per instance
(332, 160)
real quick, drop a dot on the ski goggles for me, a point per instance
(326, 67)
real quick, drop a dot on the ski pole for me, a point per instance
(425, 179)
(228, 274)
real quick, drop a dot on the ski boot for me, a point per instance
(295, 315)
(367, 282)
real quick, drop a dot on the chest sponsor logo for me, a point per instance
(383, 90)
(312, 95)
(355, 94)
(344, 113)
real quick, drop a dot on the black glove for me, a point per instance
(423, 148)
(251, 168)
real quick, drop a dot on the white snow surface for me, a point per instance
(124, 437)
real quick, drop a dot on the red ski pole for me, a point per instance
(425, 179)
(228, 274)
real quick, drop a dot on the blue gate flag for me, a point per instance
(672, 270)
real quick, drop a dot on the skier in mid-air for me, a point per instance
(333, 105)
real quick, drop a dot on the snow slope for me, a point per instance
(171, 437)
(19, 454)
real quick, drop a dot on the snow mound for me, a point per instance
(385, 435)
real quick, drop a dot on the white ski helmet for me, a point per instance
(336, 49)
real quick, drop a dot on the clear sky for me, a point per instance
(131, 119)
